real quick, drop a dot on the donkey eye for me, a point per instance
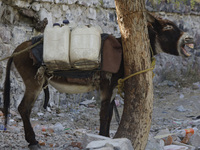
(168, 27)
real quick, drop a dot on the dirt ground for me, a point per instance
(175, 103)
(65, 128)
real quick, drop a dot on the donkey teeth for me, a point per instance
(190, 45)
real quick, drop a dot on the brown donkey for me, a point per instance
(164, 36)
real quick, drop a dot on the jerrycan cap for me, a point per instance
(65, 21)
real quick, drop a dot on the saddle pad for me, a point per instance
(111, 55)
(37, 51)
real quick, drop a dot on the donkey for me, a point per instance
(164, 36)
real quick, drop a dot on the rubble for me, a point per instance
(74, 125)
(110, 144)
(175, 147)
(181, 108)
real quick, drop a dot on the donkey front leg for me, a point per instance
(106, 108)
(24, 109)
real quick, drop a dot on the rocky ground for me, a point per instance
(71, 126)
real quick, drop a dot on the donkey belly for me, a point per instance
(72, 88)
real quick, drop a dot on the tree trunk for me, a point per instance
(138, 103)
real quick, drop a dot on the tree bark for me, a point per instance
(138, 103)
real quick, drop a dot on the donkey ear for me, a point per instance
(150, 18)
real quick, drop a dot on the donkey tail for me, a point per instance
(7, 90)
(46, 100)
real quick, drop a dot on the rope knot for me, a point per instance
(120, 86)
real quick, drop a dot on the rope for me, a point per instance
(24, 50)
(120, 85)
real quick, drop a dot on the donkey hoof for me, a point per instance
(35, 147)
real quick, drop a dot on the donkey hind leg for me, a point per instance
(25, 108)
(106, 109)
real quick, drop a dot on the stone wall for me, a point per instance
(22, 19)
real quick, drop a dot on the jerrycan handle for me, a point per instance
(56, 24)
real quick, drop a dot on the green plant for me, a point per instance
(192, 2)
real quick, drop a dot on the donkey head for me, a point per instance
(166, 37)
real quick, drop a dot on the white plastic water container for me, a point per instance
(85, 47)
(56, 47)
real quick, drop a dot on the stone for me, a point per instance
(21, 4)
(109, 4)
(120, 144)
(36, 6)
(87, 102)
(43, 13)
(20, 35)
(185, 146)
(6, 50)
(40, 114)
(56, 11)
(93, 137)
(181, 96)
(154, 144)
(9, 15)
(87, 3)
(91, 13)
(2, 7)
(61, 1)
(47, 6)
(81, 15)
(58, 127)
(194, 140)
(181, 109)
(163, 131)
(112, 17)
(107, 147)
(72, 1)
(51, 1)
(175, 147)
(196, 86)
(165, 136)
(65, 7)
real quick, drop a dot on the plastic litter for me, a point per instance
(1, 113)
(42, 143)
(181, 96)
(168, 140)
(67, 129)
(181, 109)
(43, 128)
(2, 127)
(184, 132)
(58, 127)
